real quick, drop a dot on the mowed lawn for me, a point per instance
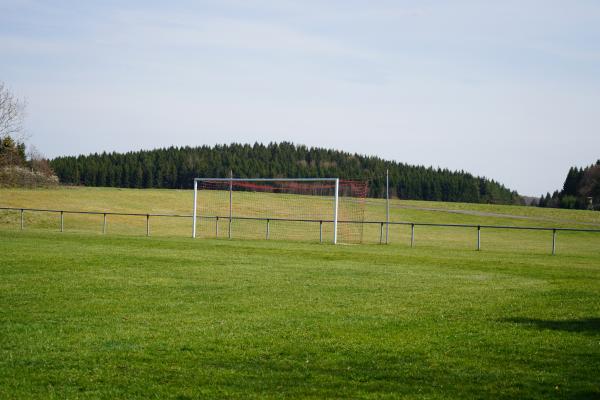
(84, 315)
(163, 201)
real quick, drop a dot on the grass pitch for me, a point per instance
(84, 315)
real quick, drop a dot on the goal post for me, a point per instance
(194, 213)
(297, 208)
(335, 211)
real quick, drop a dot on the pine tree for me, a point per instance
(175, 167)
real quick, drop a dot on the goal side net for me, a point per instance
(319, 209)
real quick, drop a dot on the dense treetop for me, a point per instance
(581, 190)
(175, 167)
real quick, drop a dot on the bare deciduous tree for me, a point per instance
(38, 162)
(12, 112)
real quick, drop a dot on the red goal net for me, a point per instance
(281, 209)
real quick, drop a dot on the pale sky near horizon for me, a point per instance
(508, 90)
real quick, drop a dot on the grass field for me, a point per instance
(180, 202)
(85, 315)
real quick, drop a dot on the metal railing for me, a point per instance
(268, 220)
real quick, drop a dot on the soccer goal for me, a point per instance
(324, 209)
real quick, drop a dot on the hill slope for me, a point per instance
(161, 201)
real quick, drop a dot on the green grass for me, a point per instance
(180, 202)
(91, 316)
(86, 315)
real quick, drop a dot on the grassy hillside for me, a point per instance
(164, 201)
(91, 316)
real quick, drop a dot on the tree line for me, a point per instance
(581, 190)
(176, 167)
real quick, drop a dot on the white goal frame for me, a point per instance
(231, 180)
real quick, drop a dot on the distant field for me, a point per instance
(89, 316)
(180, 202)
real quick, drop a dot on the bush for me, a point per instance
(569, 202)
(22, 177)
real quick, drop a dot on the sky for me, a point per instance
(509, 90)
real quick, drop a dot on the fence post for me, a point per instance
(62, 221)
(217, 227)
(381, 233)
(147, 224)
(268, 228)
(104, 224)
(320, 231)
(412, 235)
(553, 241)
(22, 223)
(478, 237)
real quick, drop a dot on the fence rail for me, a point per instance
(268, 220)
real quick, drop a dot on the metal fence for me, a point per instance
(383, 225)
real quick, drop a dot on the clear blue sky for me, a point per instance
(506, 89)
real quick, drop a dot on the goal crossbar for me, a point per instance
(267, 179)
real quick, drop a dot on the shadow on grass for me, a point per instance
(584, 325)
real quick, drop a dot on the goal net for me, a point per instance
(327, 209)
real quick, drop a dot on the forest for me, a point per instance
(581, 190)
(175, 167)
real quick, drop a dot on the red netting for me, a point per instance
(294, 209)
